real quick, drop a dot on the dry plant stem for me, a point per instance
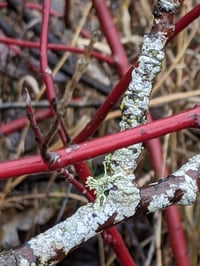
(158, 234)
(45, 104)
(80, 69)
(32, 119)
(30, 197)
(19, 123)
(179, 188)
(101, 251)
(75, 38)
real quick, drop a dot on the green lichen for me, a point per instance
(100, 186)
(103, 185)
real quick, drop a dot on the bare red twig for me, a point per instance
(172, 217)
(101, 113)
(79, 152)
(40, 139)
(19, 123)
(56, 47)
(119, 247)
(185, 21)
(45, 70)
(69, 177)
(32, 119)
(112, 35)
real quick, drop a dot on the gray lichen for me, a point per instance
(134, 108)
(135, 102)
(169, 5)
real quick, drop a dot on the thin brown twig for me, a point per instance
(79, 70)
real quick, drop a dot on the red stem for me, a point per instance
(172, 217)
(103, 110)
(185, 21)
(112, 36)
(87, 150)
(45, 70)
(56, 47)
(120, 249)
(32, 119)
(176, 236)
(39, 8)
(19, 123)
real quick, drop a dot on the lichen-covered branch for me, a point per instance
(48, 248)
(135, 102)
(180, 187)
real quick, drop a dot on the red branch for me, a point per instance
(56, 47)
(103, 110)
(185, 21)
(19, 123)
(112, 35)
(45, 70)
(172, 217)
(87, 150)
